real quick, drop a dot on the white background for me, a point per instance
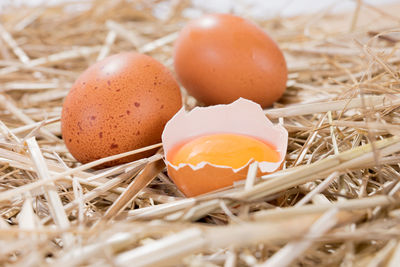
(255, 8)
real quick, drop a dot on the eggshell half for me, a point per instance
(241, 117)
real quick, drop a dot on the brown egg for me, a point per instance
(220, 57)
(118, 104)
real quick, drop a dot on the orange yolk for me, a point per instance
(232, 150)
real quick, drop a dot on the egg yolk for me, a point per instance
(232, 150)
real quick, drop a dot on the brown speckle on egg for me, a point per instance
(113, 146)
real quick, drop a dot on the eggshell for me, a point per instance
(118, 104)
(220, 57)
(241, 117)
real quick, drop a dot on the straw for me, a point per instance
(334, 203)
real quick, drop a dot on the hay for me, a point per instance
(336, 202)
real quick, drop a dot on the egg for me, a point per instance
(118, 104)
(220, 57)
(210, 148)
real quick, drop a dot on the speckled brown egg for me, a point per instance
(220, 57)
(118, 104)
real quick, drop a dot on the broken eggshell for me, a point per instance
(242, 117)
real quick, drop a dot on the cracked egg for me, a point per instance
(210, 148)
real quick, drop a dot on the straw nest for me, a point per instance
(335, 202)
